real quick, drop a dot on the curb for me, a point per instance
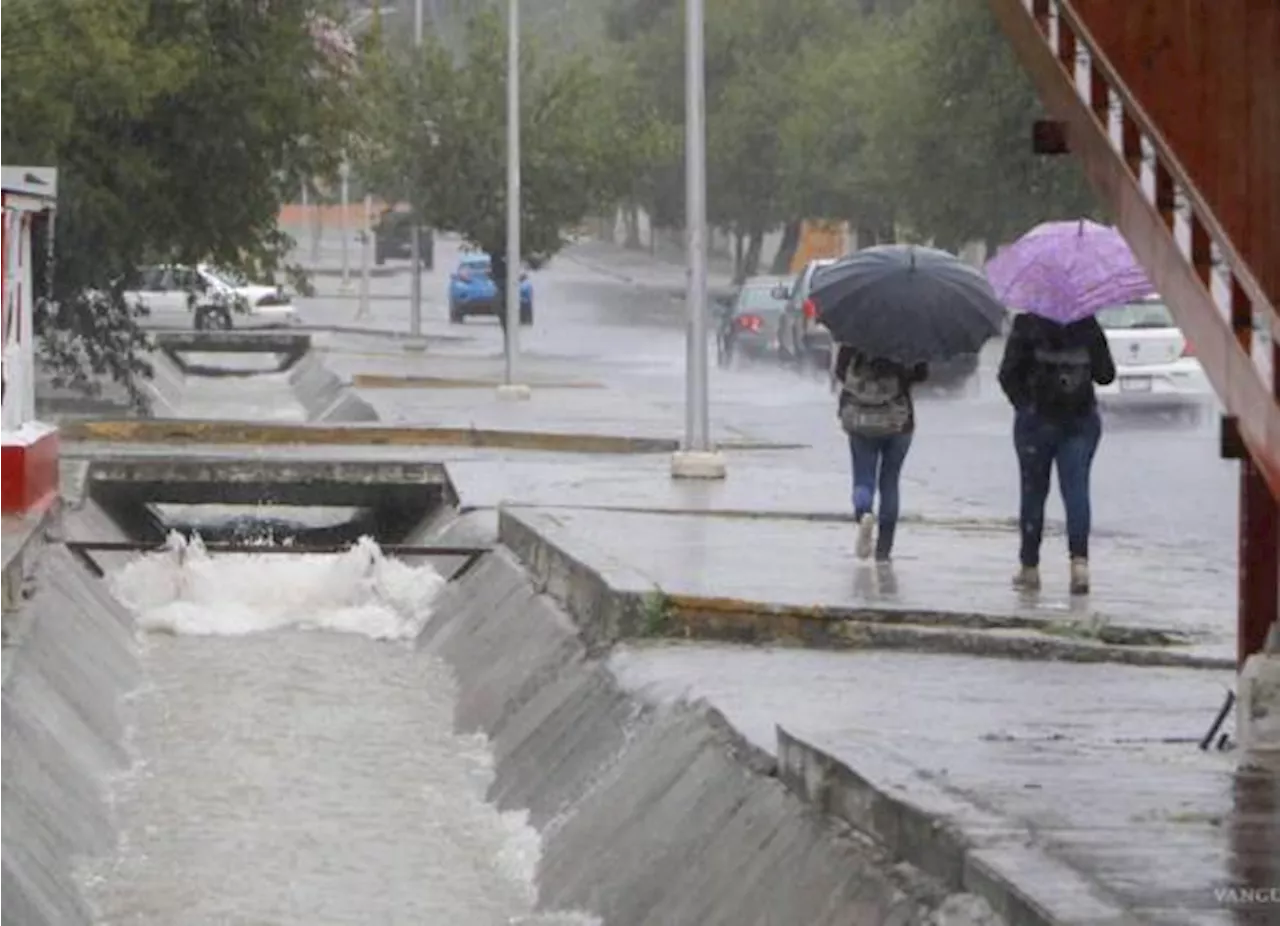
(196, 431)
(381, 381)
(968, 848)
(387, 333)
(675, 292)
(354, 272)
(625, 604)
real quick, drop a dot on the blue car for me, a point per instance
(473, 292)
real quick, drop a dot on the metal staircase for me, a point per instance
(1174, 109)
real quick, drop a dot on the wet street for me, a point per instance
(600, 318)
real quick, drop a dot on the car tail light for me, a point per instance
(464, 275)
(810, 309)
(1187, 349)
(750, 322)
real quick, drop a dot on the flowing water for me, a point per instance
(295, 757)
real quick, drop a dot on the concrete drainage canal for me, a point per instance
(368, 721)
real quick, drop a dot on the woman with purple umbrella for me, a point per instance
(1060, 274)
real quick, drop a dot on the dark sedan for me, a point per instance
(393, 237)
(749, 321)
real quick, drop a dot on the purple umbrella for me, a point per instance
(1066, 271)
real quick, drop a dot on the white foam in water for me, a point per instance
(185, 590)
(303, 778)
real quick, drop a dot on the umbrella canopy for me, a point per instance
(1066, 271)
(907, 303)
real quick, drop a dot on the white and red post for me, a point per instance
(30, 447)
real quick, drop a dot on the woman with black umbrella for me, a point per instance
(877, 413)
(895, 308)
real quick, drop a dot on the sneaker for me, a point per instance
(866, 535)
(1027, 579)
(1079, 576)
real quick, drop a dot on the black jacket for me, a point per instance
(909, 376)
(1018, 368)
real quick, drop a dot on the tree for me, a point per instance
(178, 127)
(754, 50)
(948, 130)
(450, 157)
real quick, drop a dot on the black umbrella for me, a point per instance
(907, 303)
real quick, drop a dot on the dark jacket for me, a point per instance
(908, 376)
(1018, 369)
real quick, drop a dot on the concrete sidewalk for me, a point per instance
(945, 574)
(1061, 793)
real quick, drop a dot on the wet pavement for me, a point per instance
(1157, 481)
(1095, 767)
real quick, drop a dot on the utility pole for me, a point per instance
(345, 172)
(510, 388)
(306, 208)
(697, 459)
(365, 240)
(415, 342)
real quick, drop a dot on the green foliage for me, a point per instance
(908, 114)
(439, 137)
(178, 127)
(948, 130)
(657, 613)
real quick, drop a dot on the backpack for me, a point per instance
(876, 400)
(1061, 378)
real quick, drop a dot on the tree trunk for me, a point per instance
(755, 243)
(787, 249)
(739, 268)
(631, 217)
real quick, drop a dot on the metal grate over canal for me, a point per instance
(295, 760)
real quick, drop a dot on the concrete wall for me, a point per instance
(649, 815)
(69, 658)
(324, 395)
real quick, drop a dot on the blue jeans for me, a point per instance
(878, 460)
(1070, 444)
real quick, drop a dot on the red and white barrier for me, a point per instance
(29, 469)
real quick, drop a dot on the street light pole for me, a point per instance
(697, 459)
(415, 235)
(366, 233)
(510, 389)
(345, 172)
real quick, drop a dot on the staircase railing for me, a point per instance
(1212, 292)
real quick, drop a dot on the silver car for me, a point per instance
(801, 340)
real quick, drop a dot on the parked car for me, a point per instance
(215, 298)
(748, 324)
(1155, 365)
(803, 342)
(472, 291)
(393, 237)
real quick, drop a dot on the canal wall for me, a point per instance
(651, 814)
(69, 658)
